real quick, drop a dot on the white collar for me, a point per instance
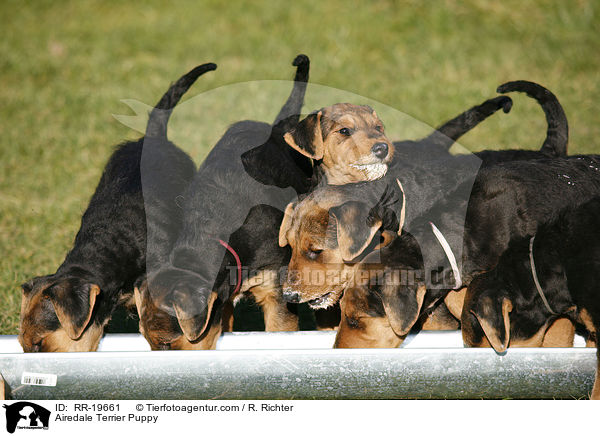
(535, 277)
(449, 255)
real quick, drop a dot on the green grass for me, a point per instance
(65, 66)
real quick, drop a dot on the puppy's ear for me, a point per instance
(402, 308)
(37, 284)
(494, 321)
(31, 289)
(193, 312)
(391, 207)
(307, 137)
(27, 287)
(286, 224)
(356, 228)
(73, 306)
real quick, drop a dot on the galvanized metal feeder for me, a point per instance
(299, 365)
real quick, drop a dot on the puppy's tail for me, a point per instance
(557, 135)
(447, 134)
(159, 117)
(290, 112)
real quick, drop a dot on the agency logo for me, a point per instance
(26, 415)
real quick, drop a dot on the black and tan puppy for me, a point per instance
(235, 201)
(68, 310)
(349, 142)
(537, 281)
(426, 181)
(379, 306)
(326, 231)
(509, 200)
(257, 250)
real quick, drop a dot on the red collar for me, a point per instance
(237, 261)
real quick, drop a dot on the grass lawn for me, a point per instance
(65, 66)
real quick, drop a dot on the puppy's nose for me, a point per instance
(380, 150)
(33, 348)
(290, 296)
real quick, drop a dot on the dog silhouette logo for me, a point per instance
(26, 415)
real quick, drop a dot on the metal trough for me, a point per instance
(301, 365)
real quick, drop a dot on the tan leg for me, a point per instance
(454, 301)
(441, 319)
(266, 290)
(267, 293)
(209, 342)
(277, 317)
(227, 317)
(596, 390)
(590, 342)
(586, 320)
(2, 388)
(560, 334)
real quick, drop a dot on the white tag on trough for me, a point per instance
(37, 379)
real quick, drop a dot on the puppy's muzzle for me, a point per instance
(291, 296)
(33, 348)
(380, 150)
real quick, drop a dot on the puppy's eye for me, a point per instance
(345, 131)
(353, 323)
(313, 254)
(379, 128)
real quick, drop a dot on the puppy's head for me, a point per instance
(57, 313)
(384, 302)
(328, 234)
(485, 319)
(377, 318)
(325, 243)
(348, 139)
(503, 308)
(174, 314)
